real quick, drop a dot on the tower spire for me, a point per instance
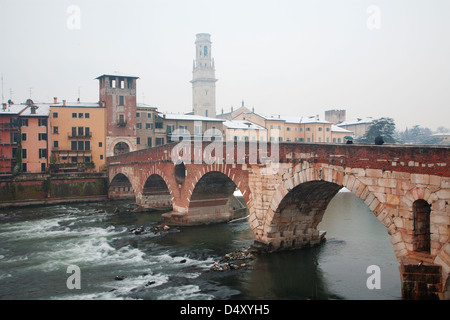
(203, 78)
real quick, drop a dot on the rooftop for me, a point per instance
(187, 117)
(356, 121)
(116, 74)
(12, 109)
(242, 124)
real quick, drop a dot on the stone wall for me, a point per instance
(43, 188)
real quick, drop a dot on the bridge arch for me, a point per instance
(210, 195)
(155, 193)
(120, 187)
(300, 200)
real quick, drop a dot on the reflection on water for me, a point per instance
(39, 243)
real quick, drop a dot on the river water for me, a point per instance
(38, 244)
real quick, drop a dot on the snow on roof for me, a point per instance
(144, 106)
(12, 109)
(116, 74)
(242, 124)
(339, 129)
(41, 110)
(77, 104)
(291, 119)
(187, 117)
(441, 134)
(356, 121)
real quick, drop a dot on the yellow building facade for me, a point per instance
(78, 135)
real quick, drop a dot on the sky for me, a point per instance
(379, 58)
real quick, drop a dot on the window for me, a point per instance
(80, 115)
(205, 51)
(288, 129)
(23, 123)
(55, 114)
(280, 139)
(100, 144)
(42, 167)
(73, 159)
(309, 140)
(24, 153)
(55, 144)
(320, 139)
(80, 146)
(74, 131)
(139, 125)
(159, 141)
(42, 122)
(55, 130)
(271, 126)
(113, 83)
(158, 125)
(87, 132)
(24, 167)
(149, 115)
(197, 130)
(184, 129)
(42, 153)
(73, 145)
(80, 131)
(328, 129)
(101, 157)
(14, 137)
(138, 115)
(24, 137)
(206, 113)
(87, 159)
(149, 142)
(279, 127)
(87, 115)
(138, 140)
(130, 83)
(121, 101)
(42, 136)
(308, 129)
(149, 126)
(170, 128)
(320, 128)
(122, 84)
(87, 146)
(74, 115)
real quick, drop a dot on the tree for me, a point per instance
(384, 127)
(418, 135)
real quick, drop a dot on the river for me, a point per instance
(38, 244)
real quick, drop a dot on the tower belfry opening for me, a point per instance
(203, 78)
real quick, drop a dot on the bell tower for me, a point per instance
(203, 78)
(118, 96)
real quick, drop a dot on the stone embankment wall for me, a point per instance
(35, 189)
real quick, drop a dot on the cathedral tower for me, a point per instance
(203, 78)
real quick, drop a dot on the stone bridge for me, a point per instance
(288, 186)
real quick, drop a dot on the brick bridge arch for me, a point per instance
(287, 196)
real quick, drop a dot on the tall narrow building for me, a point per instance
(203, 78)
(118, 95)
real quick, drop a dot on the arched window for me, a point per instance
(205, 51)
(421, 211)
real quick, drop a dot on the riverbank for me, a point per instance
(47, 189)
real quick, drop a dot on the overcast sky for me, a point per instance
(374, 58)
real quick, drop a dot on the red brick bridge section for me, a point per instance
(288, 186)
